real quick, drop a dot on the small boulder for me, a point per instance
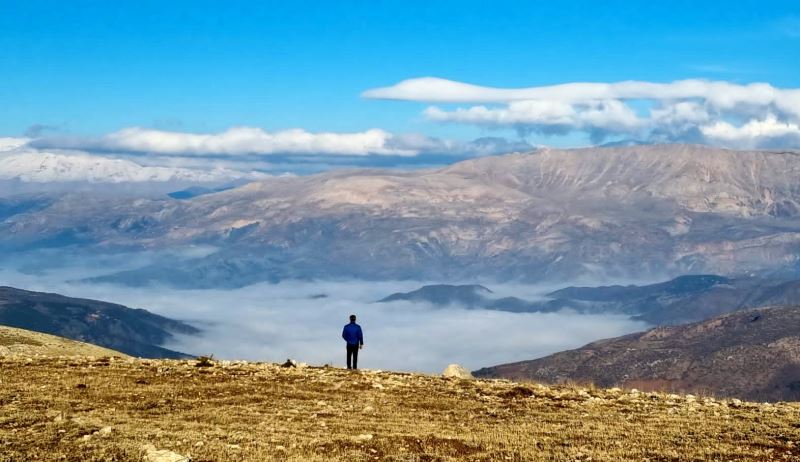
(162, 455)
(204, 361)
(457, 371)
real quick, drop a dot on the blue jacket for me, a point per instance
(352, 334)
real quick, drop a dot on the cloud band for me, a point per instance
(714, 112)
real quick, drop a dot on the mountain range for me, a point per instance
(36, 166)
(750, 354)
(136, 332)
(680, 300)
(550, 215)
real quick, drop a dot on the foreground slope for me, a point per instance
(25, 343)
(753, 354)
(135, 332)
(99, 410)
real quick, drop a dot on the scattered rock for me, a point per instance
(162, 455)
(364, 437)
(457, 371)
(518, 392)
(105, 431)
(204, 361)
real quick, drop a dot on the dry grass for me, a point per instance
(23, 342)
(246, 411)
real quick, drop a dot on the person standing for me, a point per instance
(355, 341)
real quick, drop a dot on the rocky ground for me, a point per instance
(119, 409)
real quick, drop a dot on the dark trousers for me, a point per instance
(352, 356)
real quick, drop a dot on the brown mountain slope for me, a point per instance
(23, 342)
(613, 213)
(753, 354)
(135, 332)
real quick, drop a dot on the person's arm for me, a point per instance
(360, 337)
(344, 332)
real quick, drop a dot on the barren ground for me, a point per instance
(106, 409)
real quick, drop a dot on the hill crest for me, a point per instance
(26, 343)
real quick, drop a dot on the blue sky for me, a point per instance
(90, 68)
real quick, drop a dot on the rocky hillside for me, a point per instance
(155, 410)
(26, 344)
(751, 354)
(634, 211)
(136, 332)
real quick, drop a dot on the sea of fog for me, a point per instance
(303, 321)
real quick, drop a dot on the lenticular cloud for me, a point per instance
(716, 112)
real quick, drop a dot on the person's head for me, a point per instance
(352, 318)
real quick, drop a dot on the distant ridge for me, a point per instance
(471, 295)
(684, 299)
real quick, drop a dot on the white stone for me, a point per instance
(162, 455)
(457, 371)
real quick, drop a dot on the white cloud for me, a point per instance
(768, 131)
(10, 144)
(686, 110)
(237, 141)
(548, 116)
(719, 93)
(238, 154)
(243, 145)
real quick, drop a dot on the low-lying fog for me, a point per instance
(303, 321)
